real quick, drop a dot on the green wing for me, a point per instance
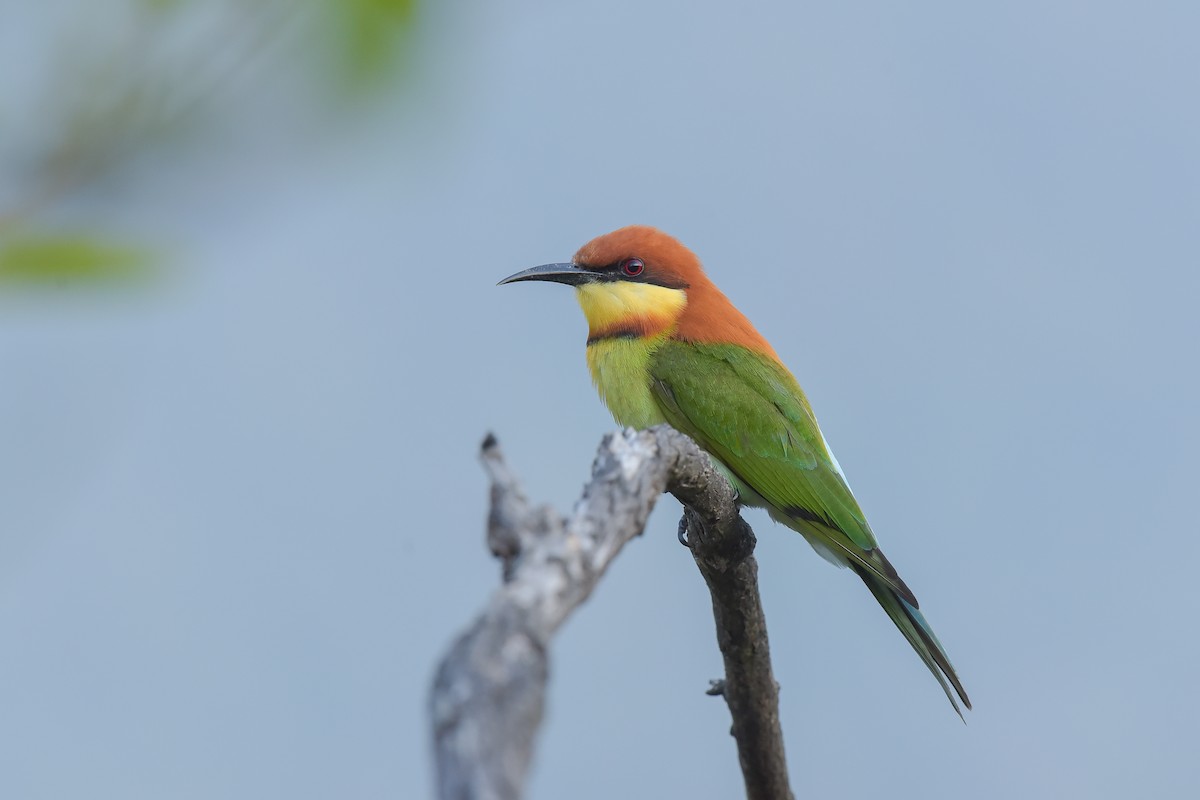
(748, 411)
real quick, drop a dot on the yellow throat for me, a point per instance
(626, 323)
(625, 308)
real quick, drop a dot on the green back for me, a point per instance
(747, 410)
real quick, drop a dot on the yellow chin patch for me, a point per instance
(620, 305)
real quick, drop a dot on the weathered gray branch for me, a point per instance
(489, 690)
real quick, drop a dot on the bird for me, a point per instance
(665, 345)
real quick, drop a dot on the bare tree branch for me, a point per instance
(724, 550)
(488, 694)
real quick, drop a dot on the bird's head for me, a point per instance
(638, 281)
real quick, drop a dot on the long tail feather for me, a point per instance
(912, 623)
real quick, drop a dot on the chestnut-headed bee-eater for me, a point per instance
(665, 345)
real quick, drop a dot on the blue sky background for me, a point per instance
(240, 511)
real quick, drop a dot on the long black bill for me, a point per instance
(569, 274)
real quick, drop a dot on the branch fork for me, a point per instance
(488, 694)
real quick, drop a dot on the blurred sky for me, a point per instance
(240, 511)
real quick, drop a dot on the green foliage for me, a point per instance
(70, 259)
(372, 31)
(160, 5)
(129, 94)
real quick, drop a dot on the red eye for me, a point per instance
(633, 267)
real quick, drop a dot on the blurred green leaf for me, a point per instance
(70, 259)
(373, 32)
(161, 5)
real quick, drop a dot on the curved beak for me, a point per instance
(569, 274)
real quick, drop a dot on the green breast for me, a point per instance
(620, 369)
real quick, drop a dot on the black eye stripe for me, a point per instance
(633, 267)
